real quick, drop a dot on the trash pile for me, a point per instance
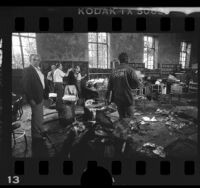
(99, 136)
(175, 124)
(123, 128)
(79, 127)
(134, 125)
(94, 137)
(100, 83)
(162, 111)
(145, 118)
(152, 150)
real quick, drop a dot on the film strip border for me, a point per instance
(116, 167)
(139, 172)
(112, 24)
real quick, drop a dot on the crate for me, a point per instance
(193, 87)
(177, 89)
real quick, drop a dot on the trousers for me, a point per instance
(37, 119)
(60, 92)
(39, 148)
(125, 111)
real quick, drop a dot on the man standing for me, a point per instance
(78, 77)
(36, 90)
(122, 80)
(50, 77)
(58, 81)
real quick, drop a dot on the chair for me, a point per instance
(20, 133)
(52, 98)
(71, 90)
(156, 88)
(70, 98)
(17, 113)
(17, 110)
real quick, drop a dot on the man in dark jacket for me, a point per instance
(122, 80)
(36, 90)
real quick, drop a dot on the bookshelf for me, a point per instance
(167, 69)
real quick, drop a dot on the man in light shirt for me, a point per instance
(36, 90)
(50, 77)
(58, 83)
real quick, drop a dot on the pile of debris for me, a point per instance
(152, 150)
(100, 136)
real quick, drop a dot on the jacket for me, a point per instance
(122, 80)
(32, 86)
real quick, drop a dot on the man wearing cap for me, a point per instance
(122, 80)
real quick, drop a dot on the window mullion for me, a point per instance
(97, 52)
(147, 57)
(107, 49)
(107, 55)
(21, 49)
(154, 51)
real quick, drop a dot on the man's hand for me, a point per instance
(70, 69)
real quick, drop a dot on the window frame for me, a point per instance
(21, 46)
(147, 66)
(97, 43)
(1, 49)
(186, 60)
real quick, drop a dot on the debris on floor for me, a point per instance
(152, 149)
(151, 133)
